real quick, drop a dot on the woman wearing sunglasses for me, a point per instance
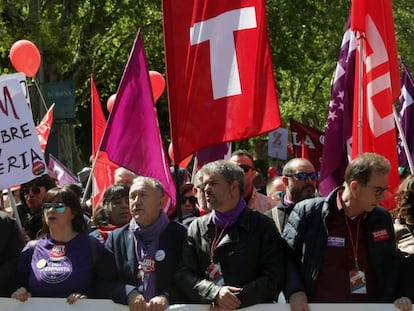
(62, 262)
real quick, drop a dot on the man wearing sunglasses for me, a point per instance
(343, 246)
(32, 195)
(254, 199)
(300, 180)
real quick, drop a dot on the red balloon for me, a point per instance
(25, 57)
(271, 172)
(157, 83)
(171, 152)
(110, 102)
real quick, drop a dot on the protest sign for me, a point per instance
(23, 83)
(21, 158)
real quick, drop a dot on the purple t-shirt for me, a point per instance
(58, 269)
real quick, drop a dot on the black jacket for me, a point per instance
(306, 234)
(11, 243)
(121, 243)
(251, 256)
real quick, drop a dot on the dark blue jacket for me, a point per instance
(307, 235)
(121, 243)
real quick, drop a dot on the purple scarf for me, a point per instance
(146, 240)
(228, 219)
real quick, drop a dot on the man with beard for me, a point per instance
(234, 256)
(300, 179)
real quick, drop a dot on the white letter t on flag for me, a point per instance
(219, 31)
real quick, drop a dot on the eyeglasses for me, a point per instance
(245, 167)
(302, 176)
(59, 207)
(35, 190)
(192, 200)
(378, 190)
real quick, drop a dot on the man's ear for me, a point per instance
(354, 187)
(285, 180)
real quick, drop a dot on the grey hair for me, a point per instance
(230, 172)
(152, 181)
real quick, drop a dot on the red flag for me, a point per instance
(132, 137)
(43, 129)
(307, 143)
(220, 76)
(380, 85)
(103, 173)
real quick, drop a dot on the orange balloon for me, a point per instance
(110, 102)
(157, 84)
(25, 57)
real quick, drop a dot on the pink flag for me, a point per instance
(132, 137)
(43, 129)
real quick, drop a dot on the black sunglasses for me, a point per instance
(35, 190)
(302, 176)
(245, 167)
(192, 200)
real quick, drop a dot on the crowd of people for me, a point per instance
(229, 246)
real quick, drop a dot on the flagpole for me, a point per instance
(178, 194)
(14, 207)
(360, 38)
(403, 139)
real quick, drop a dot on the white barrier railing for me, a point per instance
(48, 304)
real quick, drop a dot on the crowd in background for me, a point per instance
(232, 240)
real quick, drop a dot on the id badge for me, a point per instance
(357, 282)
(214, 274)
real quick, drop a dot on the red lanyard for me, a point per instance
(354, 247)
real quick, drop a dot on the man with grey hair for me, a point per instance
(146, 250)
(123, 176)
(343, 245)
(234, 256)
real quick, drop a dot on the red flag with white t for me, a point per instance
(219, 72)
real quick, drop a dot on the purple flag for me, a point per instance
(213, 153)
(338, 132)
(406, 115)
(63, 175)
(132, 137)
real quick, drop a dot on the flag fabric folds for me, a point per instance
(307, 143)
(44, 128)
(132, 136)
(220, 76)
(379, 88)
(338, 132)
(406, 114)
(103, 171)
(63, 175)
